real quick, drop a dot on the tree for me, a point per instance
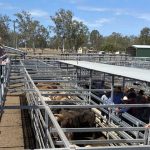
(72, 33)
(145, 36)
(4, 28)
(63, 21)
(42, 37)
(117, 42)
(32, 33)
(24, 21)
(28, 28)
(108, 47)
(79, 34)
(95, 39)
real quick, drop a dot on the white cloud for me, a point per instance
(116, 11)
(39, 13)
(144, 16)
(95, 24)
(73, 1)
(94, 9)
(6, 6)
(78, 19)
(99, 23)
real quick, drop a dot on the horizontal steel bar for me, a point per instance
(63, 101)
(54, 80)
(137, 147)
(65, 94)
(99, 106)
(76, 90)
(103, 141)
(70, 106)
(21, 107)
(101, 129)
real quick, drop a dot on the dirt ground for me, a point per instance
(45, 51)
(11, 133)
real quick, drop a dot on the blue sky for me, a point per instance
(127, 17)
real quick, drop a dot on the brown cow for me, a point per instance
(78, 118)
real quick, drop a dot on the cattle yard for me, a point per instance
(62, 99)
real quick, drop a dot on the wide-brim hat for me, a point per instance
(125, 98)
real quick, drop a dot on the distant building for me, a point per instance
(101, 52)
(82, 50)
(138, 50)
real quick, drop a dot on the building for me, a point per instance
(139, 50)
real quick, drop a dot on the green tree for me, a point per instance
(79, 34)
(95, 39)
(72, 33)
(63, 21)
(117, 41)
(41, 37)
(32, 33)
(144, 37)
(24, 26)
(4, 28)
(108, 47)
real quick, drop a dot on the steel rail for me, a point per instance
(74, 106)
(49, 112)
(103, 141)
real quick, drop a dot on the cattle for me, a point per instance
(70, 118)
(59, 95)
(77, 118)
(45, 86)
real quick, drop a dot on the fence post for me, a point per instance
(46, 129)
(0, 85)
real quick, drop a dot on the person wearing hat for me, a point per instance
(140, 97)
(130, 99)
(118, 95)
(122, 110)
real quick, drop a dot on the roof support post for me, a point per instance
(123, 84)
(112, 97)
(112, 87)
(0, 85)
(90, 86)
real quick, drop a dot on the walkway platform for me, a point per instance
(11, 132)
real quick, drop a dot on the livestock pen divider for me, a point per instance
(44, 121)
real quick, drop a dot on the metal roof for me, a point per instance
(134, 73)
(141, 46)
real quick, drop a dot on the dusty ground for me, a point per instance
(45, 51)
(11, 134)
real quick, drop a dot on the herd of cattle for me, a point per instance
(71, 118)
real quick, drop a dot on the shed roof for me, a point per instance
(141, 46)
(134, 73)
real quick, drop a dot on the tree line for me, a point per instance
(67, 34)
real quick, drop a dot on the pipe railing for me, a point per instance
(42, 116)
(4, 77)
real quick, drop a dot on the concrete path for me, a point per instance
(11, 133)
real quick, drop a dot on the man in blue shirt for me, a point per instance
(118, 95)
